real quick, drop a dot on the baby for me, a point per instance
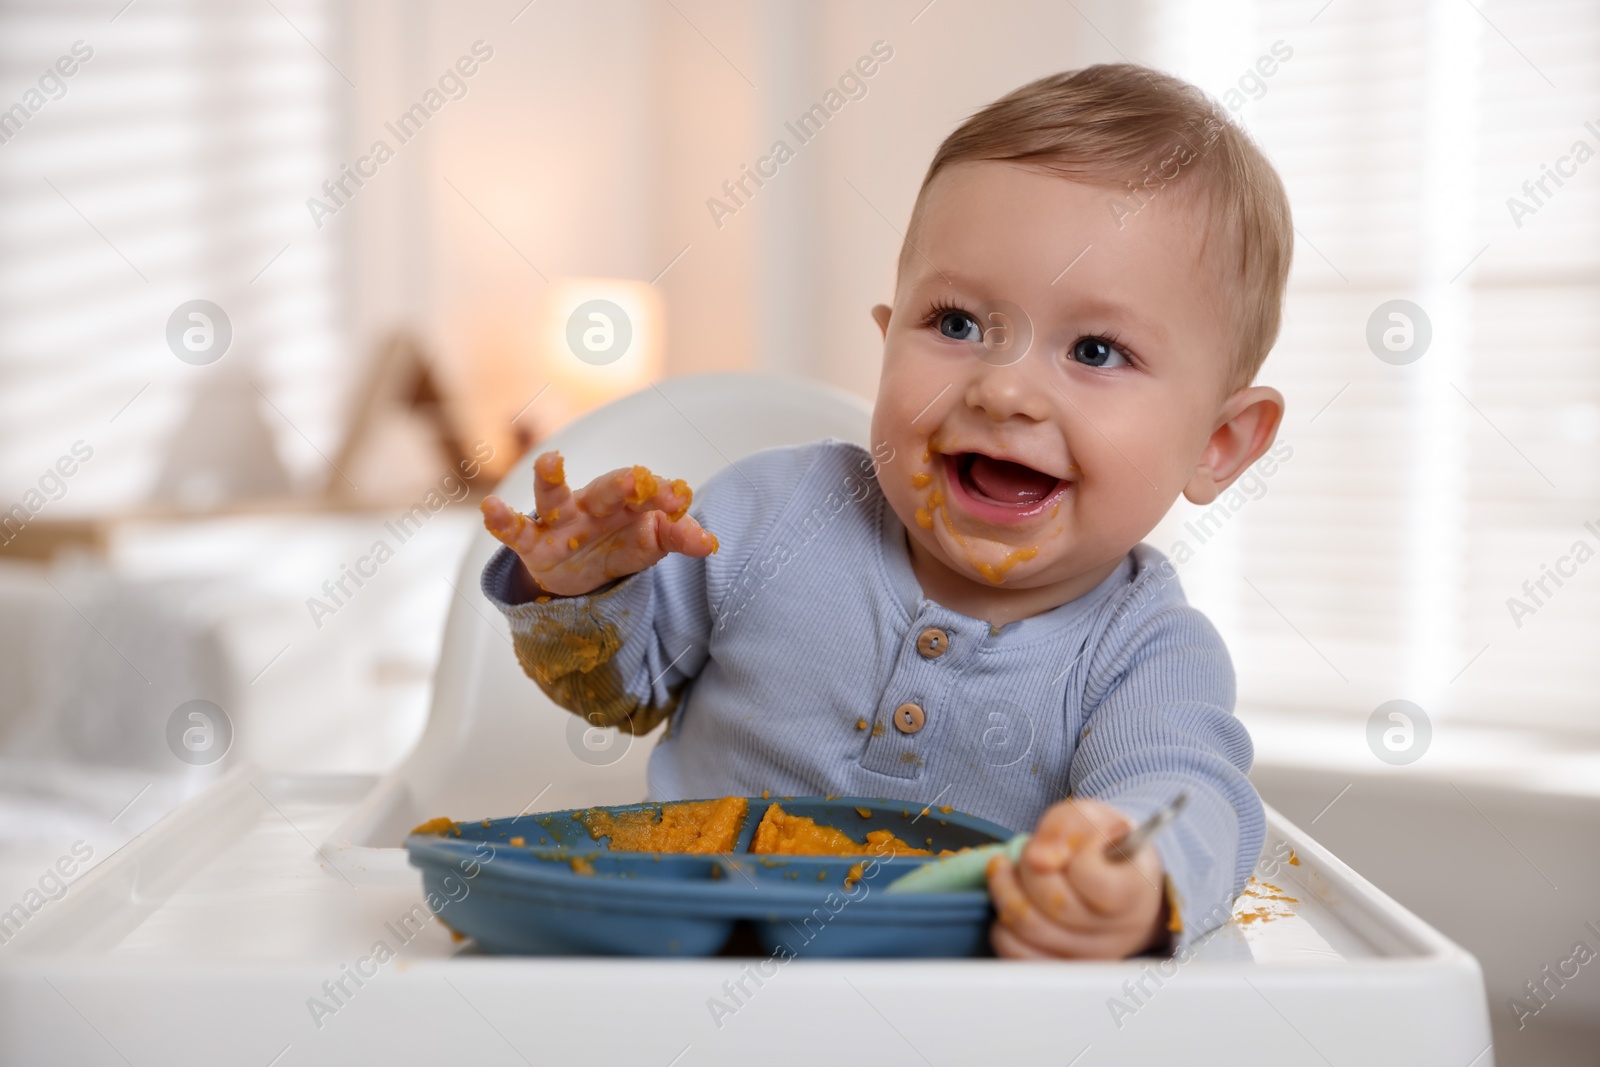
(964, 614)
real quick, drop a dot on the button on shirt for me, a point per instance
(803, 658)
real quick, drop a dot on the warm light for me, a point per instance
(602, 338)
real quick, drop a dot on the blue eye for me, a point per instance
(1098, 352)
(959, 326)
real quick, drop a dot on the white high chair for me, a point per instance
(206, 938)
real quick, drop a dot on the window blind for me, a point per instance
(171, 165)
(1388, 556)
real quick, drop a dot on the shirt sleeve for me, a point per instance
(1162, 722)
(622, 655)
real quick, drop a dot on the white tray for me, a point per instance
(204, 939)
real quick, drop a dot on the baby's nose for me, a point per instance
(1008, 392)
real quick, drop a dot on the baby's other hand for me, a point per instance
(1065, 898)
(618, 524)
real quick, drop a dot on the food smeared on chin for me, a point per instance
(996, 572)
(995, 491)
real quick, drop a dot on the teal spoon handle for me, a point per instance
(964, 870)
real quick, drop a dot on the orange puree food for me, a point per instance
(680, 488)
(796, 835)
(645, 485)
(688, 826)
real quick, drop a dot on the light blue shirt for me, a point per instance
(780, 662)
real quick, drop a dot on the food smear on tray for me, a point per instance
(782, 834)
(698, 826)
(1262, 902)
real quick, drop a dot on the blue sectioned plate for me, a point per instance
(561, 892)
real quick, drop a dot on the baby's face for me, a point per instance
(1045, 470)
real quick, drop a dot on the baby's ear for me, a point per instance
(1249, 422)
(880, 315)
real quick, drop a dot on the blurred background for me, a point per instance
(282, 280)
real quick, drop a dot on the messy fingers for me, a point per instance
(550, 492)
(618, 489)
(1068, 828)
(685, 535)
(672, 497)
(1116, 888)
(509, 526)
(642, 543)
(651, 492)
(1051, 894)
(1018, 913)
(1030, 929)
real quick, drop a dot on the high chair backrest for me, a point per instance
(495, 744)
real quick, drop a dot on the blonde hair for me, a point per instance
(1137, 130)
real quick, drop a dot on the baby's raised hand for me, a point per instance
(1065, 898)
(618, 524)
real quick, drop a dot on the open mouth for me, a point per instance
(1000, 489)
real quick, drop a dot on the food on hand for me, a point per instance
(619, 524)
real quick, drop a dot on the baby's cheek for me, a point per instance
(1120, 505)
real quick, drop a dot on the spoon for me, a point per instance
(965, 870)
